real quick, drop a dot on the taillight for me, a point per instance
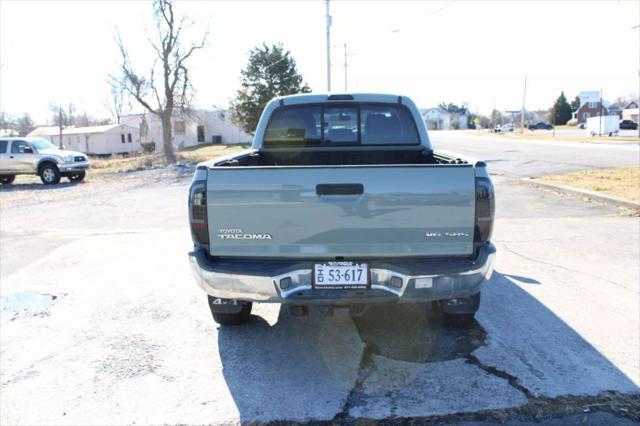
(485, 210)
(198, 209)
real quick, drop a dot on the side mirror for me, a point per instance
(27, 150)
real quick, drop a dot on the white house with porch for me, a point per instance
(195, 128)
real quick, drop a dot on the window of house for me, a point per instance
(129, 137)
(585, 115)
(122, 137)
(179, 127)
(593, 105)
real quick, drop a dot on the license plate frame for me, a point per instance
(342, 285)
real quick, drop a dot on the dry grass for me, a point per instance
(622, 181)
(143, 161)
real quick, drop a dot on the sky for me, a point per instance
(433, 51)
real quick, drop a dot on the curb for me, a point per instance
(608, 199)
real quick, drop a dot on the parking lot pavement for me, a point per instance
(101, 322)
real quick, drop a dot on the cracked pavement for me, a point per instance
(129, 338)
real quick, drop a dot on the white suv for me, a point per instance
(20, 156)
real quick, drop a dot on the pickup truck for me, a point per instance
(341, 203)
(35, 156)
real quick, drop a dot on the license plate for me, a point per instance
(340, 275)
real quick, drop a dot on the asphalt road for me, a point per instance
(524, 158)
(102, 323)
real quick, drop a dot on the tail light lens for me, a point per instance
(485, 210)
(198, 211)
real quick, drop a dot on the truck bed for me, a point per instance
(324, 157)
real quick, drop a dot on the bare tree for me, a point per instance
(167, 86)
(24, 124)
(115, 103)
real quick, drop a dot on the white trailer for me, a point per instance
(604, 125)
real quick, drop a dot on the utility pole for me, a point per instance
(524, 95)
(328, 47)
(636, 28)
(600, 114)
(60, 127)
(345, 67)
(493, 114)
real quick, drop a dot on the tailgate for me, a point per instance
(327, 212)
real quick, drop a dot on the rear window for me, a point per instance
(341, 125)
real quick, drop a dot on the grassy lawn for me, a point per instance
(141, 161)
(621, 181)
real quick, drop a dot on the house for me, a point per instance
(590, 106)
(95, 140)
(189, 129)
(615, 110)
(591, 109)
(631, 105)
(631, 111)
(45, 131)
(436, 118)
(440, 118)
(8, 133)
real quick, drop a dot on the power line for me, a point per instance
(441, 9)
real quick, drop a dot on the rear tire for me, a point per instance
(7, 179)
(49, 174)
(230, 319)
(78, 177)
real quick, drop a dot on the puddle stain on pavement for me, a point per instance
(27, 304)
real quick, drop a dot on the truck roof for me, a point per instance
(303, 98)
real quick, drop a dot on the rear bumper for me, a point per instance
(423, 280)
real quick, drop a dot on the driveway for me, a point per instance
(102, 322)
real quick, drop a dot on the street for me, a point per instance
(102, 322)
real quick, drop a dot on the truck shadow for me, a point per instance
(19, 187)
(306, 367)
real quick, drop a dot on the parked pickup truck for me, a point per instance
(341, 202)
(35, 156)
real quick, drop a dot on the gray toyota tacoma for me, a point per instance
(341, 203)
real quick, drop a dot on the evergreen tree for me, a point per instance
(561, 110)
(575, 104)
(271, 72)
